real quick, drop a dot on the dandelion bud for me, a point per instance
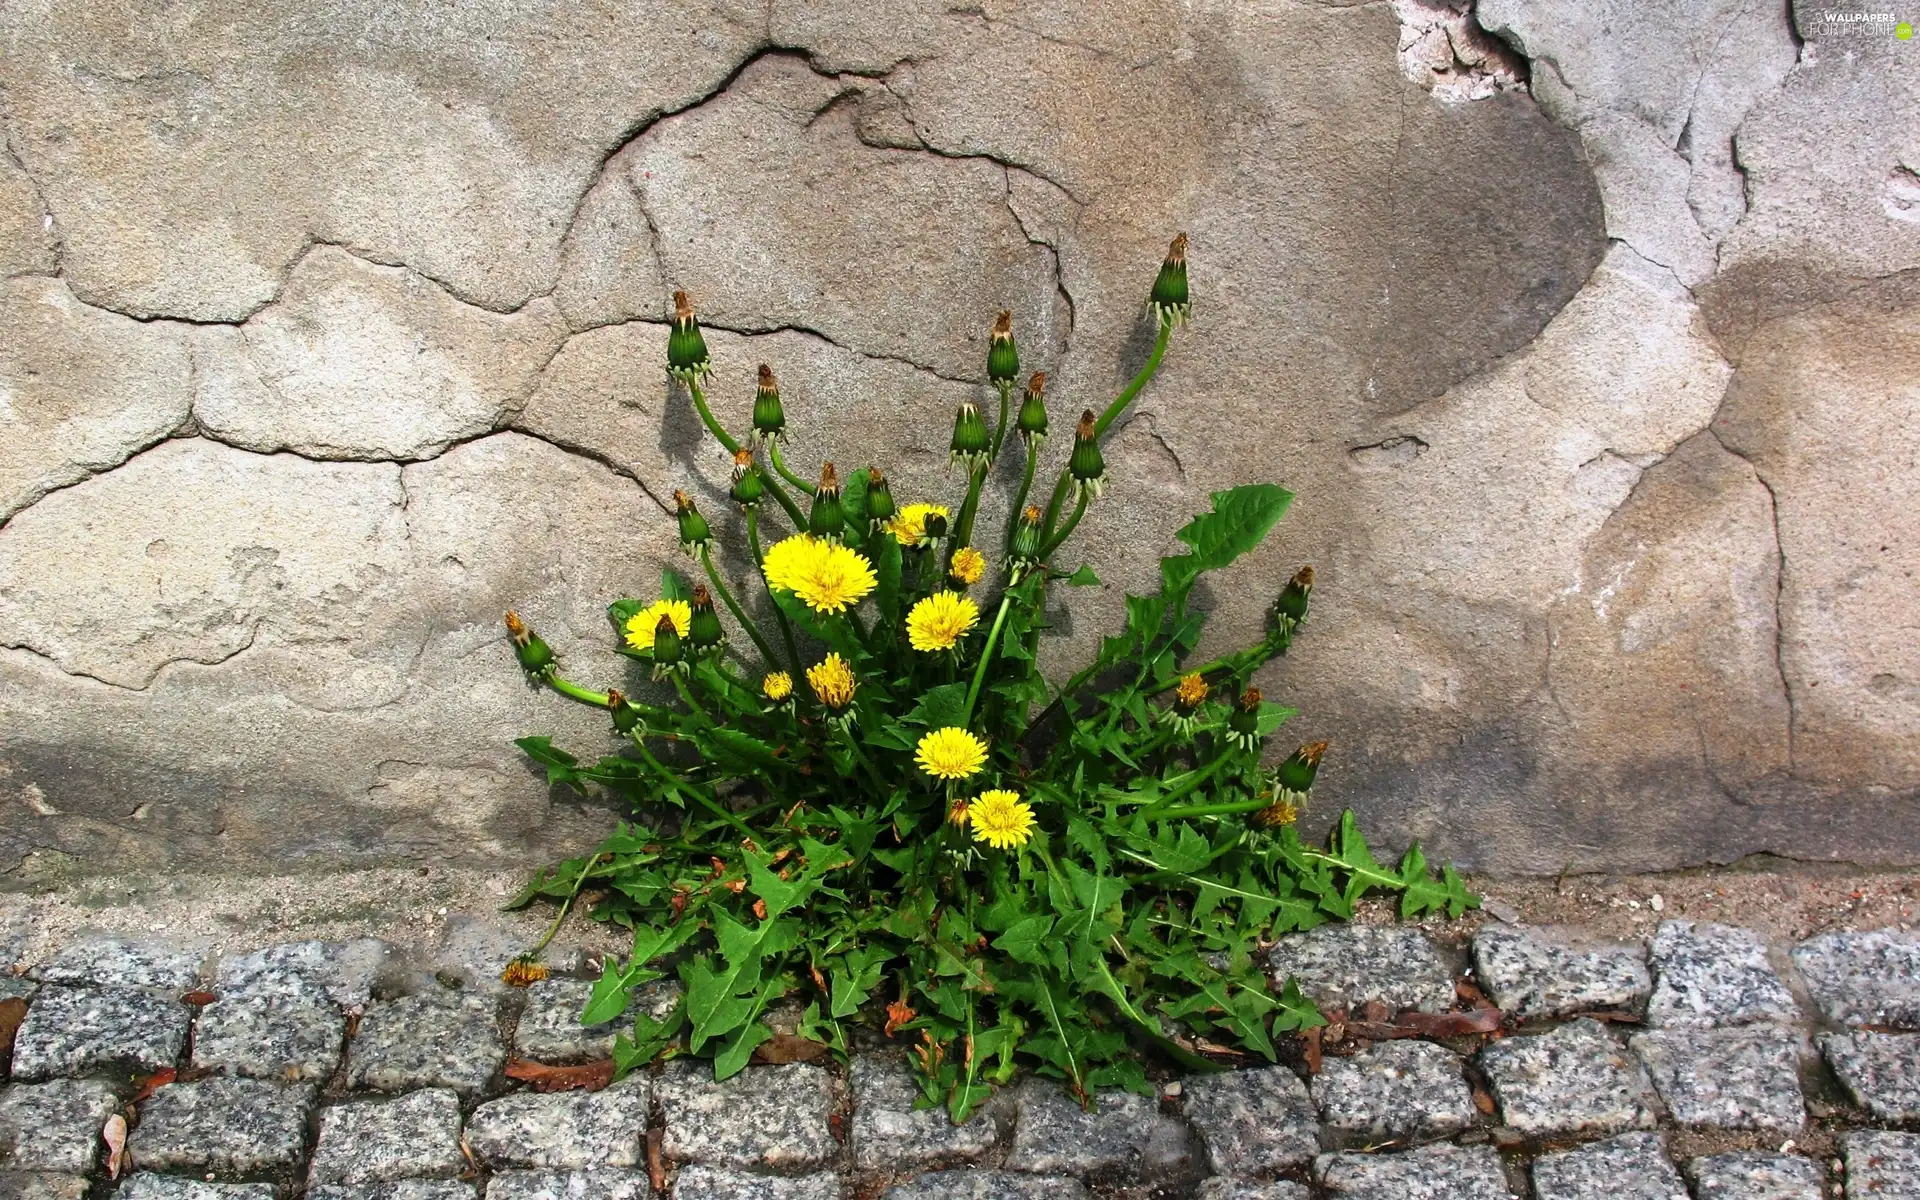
(1169, 300)
(828, 519)
(970, 437)
(769, 419)
(1025, 547)
(880, 507)
(1087, 466)
(1032, 421)
(1291, 608)
(1003, 359)
(1243, 723)
(1185, 715)
(1297, 773)
(666, 643)
(687, 357)
(625, 716)
(536, 657)
(935, 526)
(694, 531)
(748, 486)
(703, 629)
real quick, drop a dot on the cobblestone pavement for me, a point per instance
(1707, 1065)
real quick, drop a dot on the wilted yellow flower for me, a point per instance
(1280, 812)
(951, 753)
(832, 680)
(957, 811)
(968, 565)
(1192, 690)
(1001, 819)
(776, 686)
(642, 625)
(910, 527)
(523, 972)
(939, 621)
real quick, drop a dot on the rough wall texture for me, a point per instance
(1588, 332)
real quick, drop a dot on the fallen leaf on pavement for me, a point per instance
(789, 1048)
(588, 1077)
(1311, 1039)
(656, 1169)
(153, 1083)
(115, 1135)
(12, 1012)
(199, 999)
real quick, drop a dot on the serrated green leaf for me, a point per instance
(1024, 940)
(674, 585)
(1084, 577)
(1238, 522)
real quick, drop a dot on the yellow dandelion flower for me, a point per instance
(1192, 690)
(1001, 819)
(1280, 812)
(832, 681)
(776, 686)
(792, 559)
(941, 620)
(951, 753)
(835, 580)
(968, 565)
(909, 528)
(641, 625)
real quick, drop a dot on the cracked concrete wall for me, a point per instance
(1584, 329)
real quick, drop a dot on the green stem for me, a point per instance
(780, 465)
(1160, 807)
(565, 906)
(706, 415)
(963, 528)
(1221, 809)
(1053, 543)
(1132, 389)
(1020, 497)
(1000, 430)
(733, 606)
(699, 793)
(1055, 503)
(986, 656)
(780, 617)
(574, 691)
(686, 694)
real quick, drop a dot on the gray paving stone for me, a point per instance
(343, 971)
(54, 1126)
(1053, 1135)
(718, 1183)
(1864, 978)
(117, 962)
(1750, 1175)
(562, 1130)
(602, 1183)
(1880, 1070)
(1441, 1172)
(145, 1185)
(1218, 1188)
(223, 1127)
(263, 1036)
(987, 1185)
(550, 1030)
(17, 987)
(1574, 1080)
(1746, 1078)
(1883, 1166)
(377, 1141)
(886, 1132)
(399, 1189)
(1633, 1166)
(74, 1031)
(1344, 966)
(1254, 1123)
(437, 1039)
(1551, 972)
(769, 1117)
(1399, 1089)
(41, 1185)
(1708, 976)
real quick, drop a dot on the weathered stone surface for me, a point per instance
(223, 1127)
(1549, 972)
(270, 1037)
(1711, 976)
(399, 1189)
(987, 1185)
(1394, 1090)
(85, 389)
(887, 1134)
(715, 1183)
(378, 1141)
(117, 963)
(1881, 1071)
(1053, 1135)
(550, 1029)
(1219, 1188)
(147, 1185)
(1440, 1172)
(449, 1040)
(1746, 1175)
(1633, 1166)
(1254, 1122)
(343, 971)
(1575, 1080)
(1882, 1166)
(360, 361)
(1727, 1078)
(604, 1183)
(1863, 978)
(38, 1185)
(566, 1131)
(1344, 966)
(768, 1117)
(55, 1126)
(27, 241)
(74, 1031)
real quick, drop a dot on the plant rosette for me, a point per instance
(876, 808)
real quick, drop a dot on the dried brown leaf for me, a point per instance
(656, 1167)
(12, 1011)
(153, 1083)
(1310, 1041)
(589, 1077)
(115, 1136)
(199, 999)
(898, 1014)
(784, 1048)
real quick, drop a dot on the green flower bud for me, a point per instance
(828, 519)
(769, 419)
(1025, 547)
(935, 527)
(1169, 300)
(625, 716)
(666, 643)
(1243, 723)
(694, 530)
(704, 634)
(536, 657)
(1087, 466)
(1003, 357)
(880, 506)
(748, 486)
(687, 357)
(1291, 607)
(1297, 773)
(970, 437)
(1032, 422)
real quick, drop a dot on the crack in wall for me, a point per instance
(1779, 592)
